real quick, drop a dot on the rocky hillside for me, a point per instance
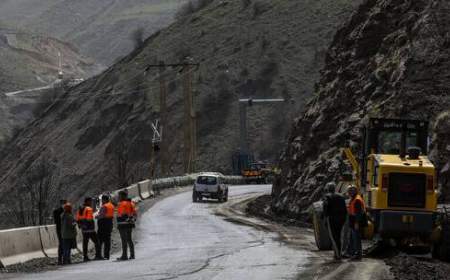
(391, 59)
(263, 49)
(101, 29)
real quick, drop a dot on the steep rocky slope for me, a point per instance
(391, 59)
(100, 29)
(266, 49)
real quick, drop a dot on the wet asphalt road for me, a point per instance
(178, 239)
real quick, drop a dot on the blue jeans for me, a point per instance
(67, 247)
(355, 247)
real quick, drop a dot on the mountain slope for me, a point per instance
(268, 49)
(100, 29)
(30, 61)
(391, 59)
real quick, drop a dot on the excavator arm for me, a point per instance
(348, 154)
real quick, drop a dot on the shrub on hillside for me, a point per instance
(260, 8)
(191, 7)
(137, 36)
(246, 3)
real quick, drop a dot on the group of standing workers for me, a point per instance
(339, 216)
(66, 227)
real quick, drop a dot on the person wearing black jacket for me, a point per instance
(335, 213)
(57, 220)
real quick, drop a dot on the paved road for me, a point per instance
(182, 240)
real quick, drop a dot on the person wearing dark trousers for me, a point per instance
(357, 222)
(57, 220)
(335, 213)
(68, 233)
(105, 225)
(85, 220)
(126, 217)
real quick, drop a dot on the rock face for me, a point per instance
(391, 59)
(264, 49)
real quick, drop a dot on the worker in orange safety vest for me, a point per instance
(105, 225)
(85, 220)
(357, 222)
(126, 218)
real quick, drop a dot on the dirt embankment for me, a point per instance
(391, 59)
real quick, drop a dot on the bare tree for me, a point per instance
(124, 171)
(32, 200)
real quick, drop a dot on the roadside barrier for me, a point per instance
(145, 189)
(23, 244)
(49, 240)
(20, 245)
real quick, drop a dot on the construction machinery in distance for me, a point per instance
(244, 163)
(259, 173)
(399, 185)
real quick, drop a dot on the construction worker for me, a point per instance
(105, 225)
(57, 220)
(126, 217)
(68, 233)
(357, 222)
(335, 213)
(85, 220)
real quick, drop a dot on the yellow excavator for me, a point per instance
(399, 185)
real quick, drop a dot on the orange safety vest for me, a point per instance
(351, 206)
(109, 210)
(86, 220)
(125, 211)
(87, 215)
(126, 208)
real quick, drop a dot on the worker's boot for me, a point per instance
(122, 258)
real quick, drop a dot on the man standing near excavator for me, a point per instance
(335, 213)
(357, 222)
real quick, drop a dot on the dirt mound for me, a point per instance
(391, 59)
(414, 268)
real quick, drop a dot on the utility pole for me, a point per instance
(163, 116)
(190, 127)
(243, 104)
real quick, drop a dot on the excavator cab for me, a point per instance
(398, 183)
(397, 180)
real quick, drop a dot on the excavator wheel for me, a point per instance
(323, 241)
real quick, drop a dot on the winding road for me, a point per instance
(178, 239)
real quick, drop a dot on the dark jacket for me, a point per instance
(68, 226)
(57, 220)
(334, 207)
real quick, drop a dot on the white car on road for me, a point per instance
(210, 185)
